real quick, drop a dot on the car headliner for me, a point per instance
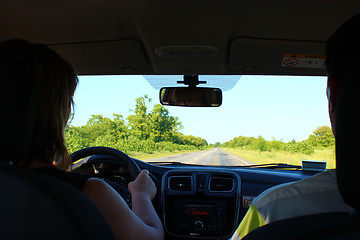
(211, 37)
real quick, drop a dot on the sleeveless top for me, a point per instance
(75, 179)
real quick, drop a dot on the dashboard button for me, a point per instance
(199, 225)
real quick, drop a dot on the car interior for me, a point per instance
(160, 38)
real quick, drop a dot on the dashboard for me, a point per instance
(194, 202)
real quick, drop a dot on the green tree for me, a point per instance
(163, 126)
(191, 140)
(144, 131)
(120, 127)
(106, 140)
(98, 126)
(322, 137)
(217, 144)
(73, 139)
(299, 147)
(157, 125)
(139, 123)
(259, 144)
(239, 142)
(276, 145)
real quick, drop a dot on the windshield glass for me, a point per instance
(262, 119)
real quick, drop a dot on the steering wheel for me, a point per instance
(86, 152)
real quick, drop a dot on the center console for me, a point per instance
(201, 204)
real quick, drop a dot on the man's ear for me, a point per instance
(333, 92)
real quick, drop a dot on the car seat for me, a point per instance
(335, 225)
(32, 205)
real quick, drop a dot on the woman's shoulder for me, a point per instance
(75, 179)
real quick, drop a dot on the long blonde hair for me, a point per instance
(56, 83)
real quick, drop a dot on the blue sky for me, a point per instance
(280, 107)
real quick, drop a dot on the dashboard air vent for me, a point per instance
(221, 184)
(180, 183)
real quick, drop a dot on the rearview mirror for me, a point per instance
(191, 96)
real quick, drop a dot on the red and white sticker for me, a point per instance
(247, 200)
(303, 61)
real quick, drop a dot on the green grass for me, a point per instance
(258, 157)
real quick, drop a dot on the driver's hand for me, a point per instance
(143, 184)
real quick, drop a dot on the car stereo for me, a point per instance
(201, 218)
(201, 204)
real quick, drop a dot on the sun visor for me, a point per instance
(120, 57)
(275, 57)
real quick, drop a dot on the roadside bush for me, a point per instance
(172, 147)
(300, 147)
(135, 145)
(259, 144)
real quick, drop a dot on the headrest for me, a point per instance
(347, 131)
(18, 107)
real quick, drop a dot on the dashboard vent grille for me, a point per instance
(180, 183)
(221, 184)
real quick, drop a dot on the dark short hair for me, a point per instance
(343, 51)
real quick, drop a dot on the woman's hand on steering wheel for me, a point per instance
(143, 184)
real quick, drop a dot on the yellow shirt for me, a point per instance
(313, 195)
(251, 221)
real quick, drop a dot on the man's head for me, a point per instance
(343, 66)
(342, 61)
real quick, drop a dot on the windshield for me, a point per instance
(262, 119)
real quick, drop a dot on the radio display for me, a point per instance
(199, 210)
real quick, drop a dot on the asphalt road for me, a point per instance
(215, 156)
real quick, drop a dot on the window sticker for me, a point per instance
(303, 61)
